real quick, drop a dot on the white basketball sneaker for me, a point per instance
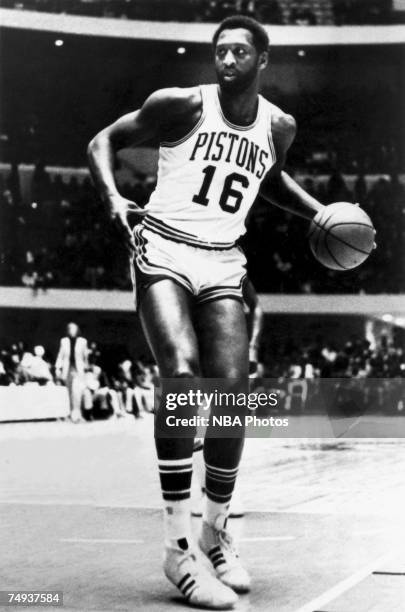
(217, 544)
(197, 585)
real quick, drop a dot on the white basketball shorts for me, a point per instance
(207, 274)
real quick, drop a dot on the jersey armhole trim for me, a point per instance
(270, 137)
(165, 144)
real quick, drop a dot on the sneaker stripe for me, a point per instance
(183, 580)
(186, 590)
(214, 550)
(217, 556)
(220, 558)
(219, 563)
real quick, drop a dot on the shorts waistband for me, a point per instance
(166, 231)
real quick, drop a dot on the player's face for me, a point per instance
(237, 62)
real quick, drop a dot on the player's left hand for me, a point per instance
(375, 232)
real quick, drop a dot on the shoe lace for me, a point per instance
(226, 540)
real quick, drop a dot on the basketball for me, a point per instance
(341, 236)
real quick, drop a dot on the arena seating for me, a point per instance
(308, 12)
(64, 238)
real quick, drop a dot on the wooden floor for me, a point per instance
(80, 512)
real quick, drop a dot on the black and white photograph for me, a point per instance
(202, 305)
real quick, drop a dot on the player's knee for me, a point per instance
(178, 361)
(182, 364)
(186, 370)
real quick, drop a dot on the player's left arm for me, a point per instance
(254, 319)
(278, 187)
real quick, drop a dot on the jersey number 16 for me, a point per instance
(228, 191)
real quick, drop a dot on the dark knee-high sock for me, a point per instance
(175, 460)
(222, 458)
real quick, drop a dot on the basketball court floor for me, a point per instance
(324, 529)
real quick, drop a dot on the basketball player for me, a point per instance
(220, 145)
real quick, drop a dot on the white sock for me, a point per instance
(215, 514)
(176, 522)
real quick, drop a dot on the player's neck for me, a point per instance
(240, 108)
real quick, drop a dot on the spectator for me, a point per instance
(125, 371)
(70, 367)
(144, 390)
(302, 15)
(268, 11)
(4, 380)
(38, 370)
(106, 399)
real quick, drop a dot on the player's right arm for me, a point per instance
(161, 113)
(131, 129)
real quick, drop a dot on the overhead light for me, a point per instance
(387, 318)
(301, 53)
(181, 50)
(58, 42)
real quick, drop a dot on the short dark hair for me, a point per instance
(260, 37)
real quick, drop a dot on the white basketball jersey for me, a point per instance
(208, 180)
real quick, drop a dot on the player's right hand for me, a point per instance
(119, 208)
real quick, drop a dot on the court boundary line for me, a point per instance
(101, 541)
(247, 511)
(268, 539)
(388, 574)
(344, 585)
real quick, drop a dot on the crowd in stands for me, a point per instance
(350, 127)
(306, 12)
(306, 376)
(345, 380)
(65, 239)
(110, 388)
(357, 358)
